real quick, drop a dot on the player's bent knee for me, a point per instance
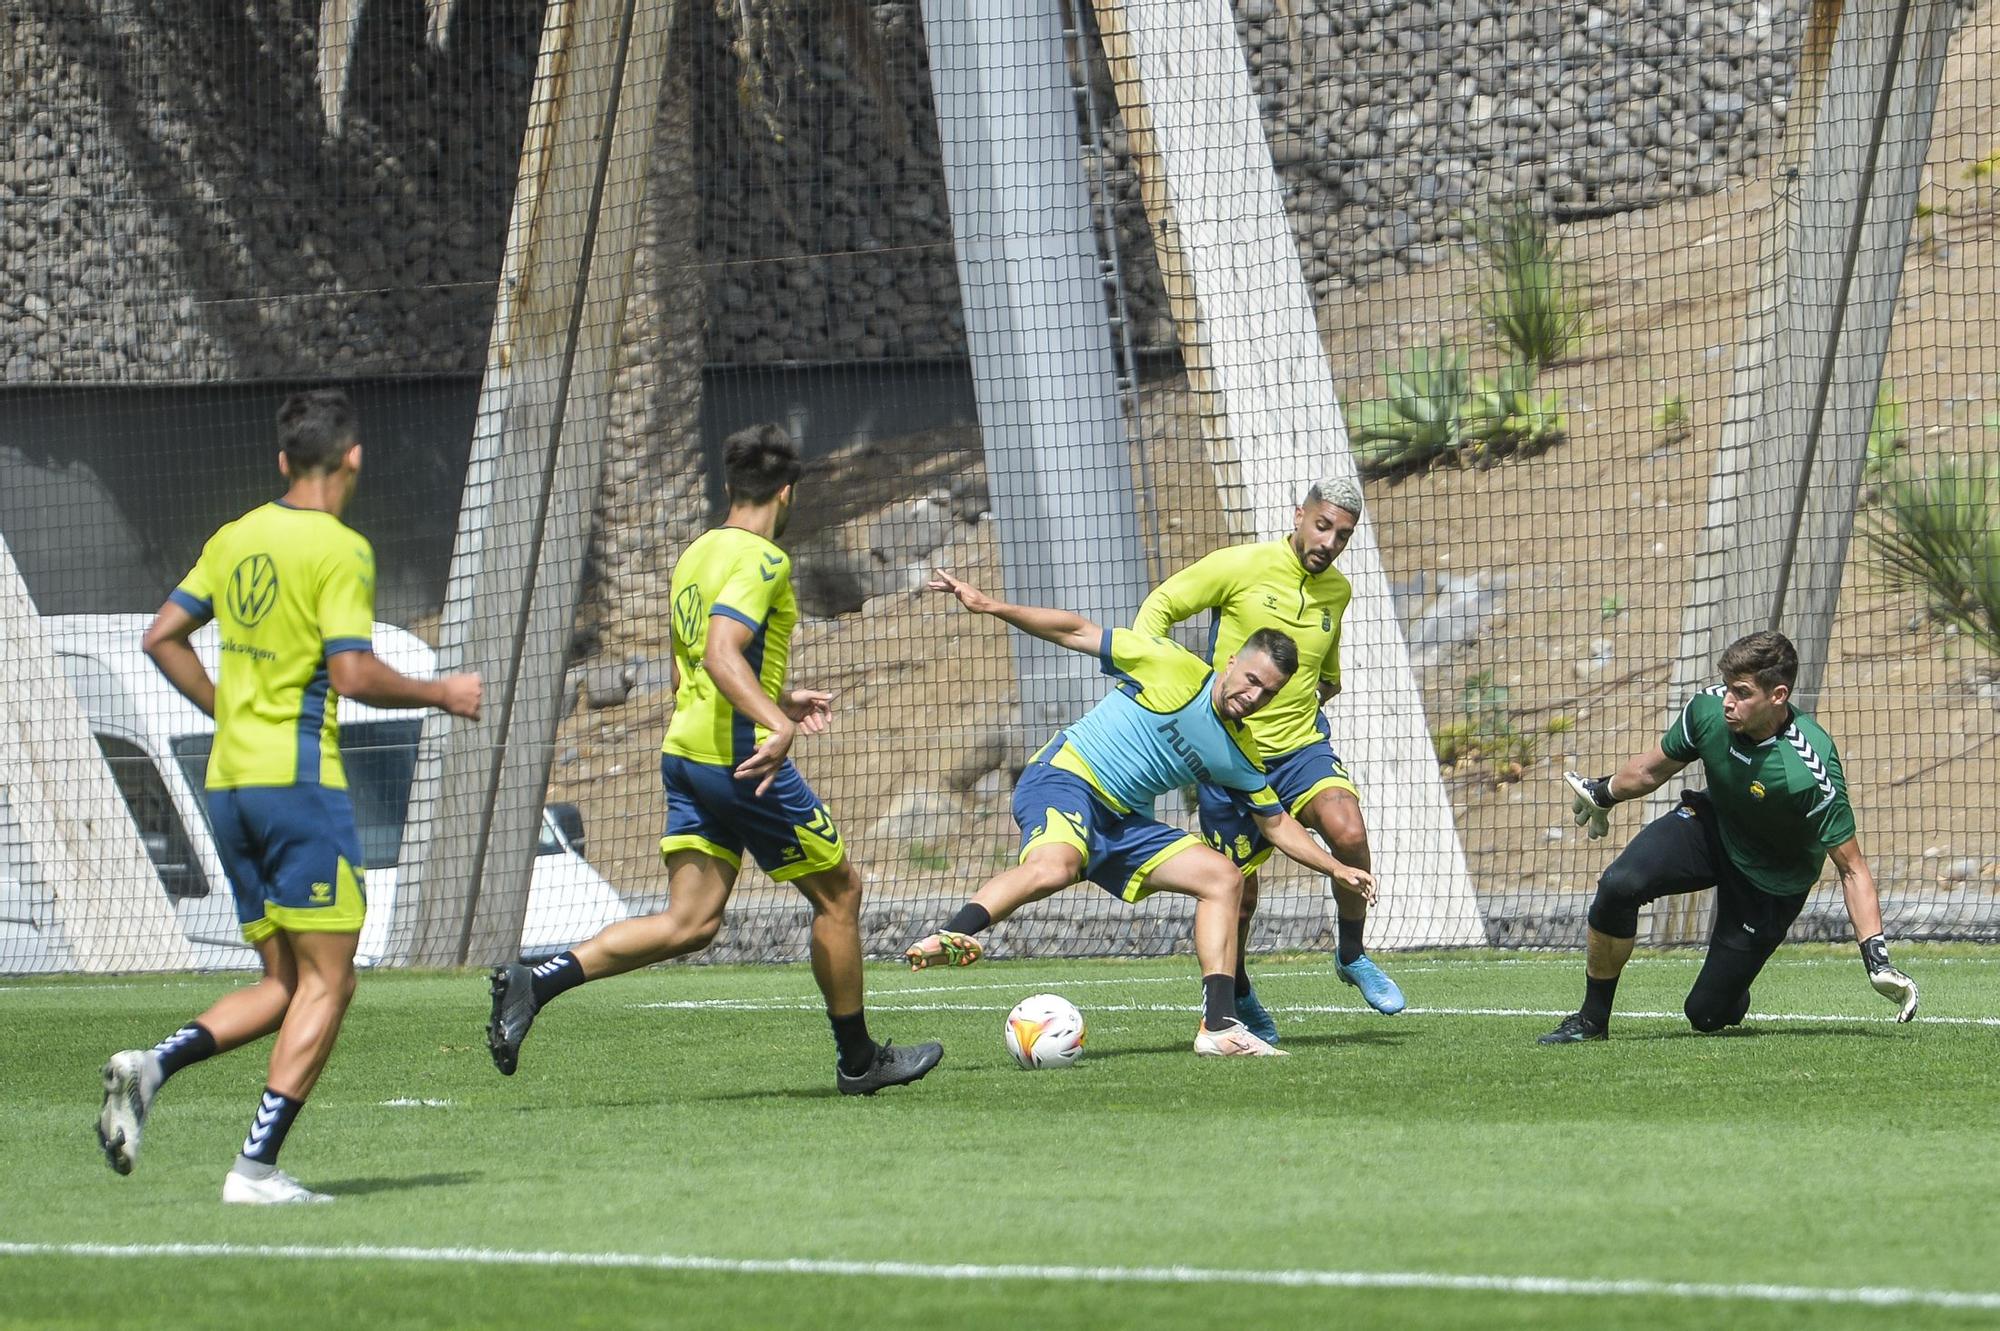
(1348, 836)
(1709, 1010)
(1614, 911)
(834, 892)
(1049, 868)
(1614, 917)
(1219, 882)
(1704, 1014)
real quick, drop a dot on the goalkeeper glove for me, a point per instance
(1593, 802)
(1889, 982)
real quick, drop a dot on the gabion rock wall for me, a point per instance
(171, 211)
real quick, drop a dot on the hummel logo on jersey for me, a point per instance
(771, 565)
(1172, 731)
(253, 589)
(1814, 766)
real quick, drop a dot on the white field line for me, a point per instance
(1679, 957)
(1560, 1286)
(89, 988)
(885, 1002)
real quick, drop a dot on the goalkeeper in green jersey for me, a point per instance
(1774, 812)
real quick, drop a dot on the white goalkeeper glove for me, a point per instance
(1889, 982)
(1592, 807)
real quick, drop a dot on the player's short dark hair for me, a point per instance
(757, 462)
(316, 428)
(1274, 643)
(1767, 657)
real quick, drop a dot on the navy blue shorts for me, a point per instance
(1298, 777)
(786, 828)
(293, 858)
(1120, 850)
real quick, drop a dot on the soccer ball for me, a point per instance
(1045, 1031)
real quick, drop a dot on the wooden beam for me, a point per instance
(531, 486)
(1787, 473)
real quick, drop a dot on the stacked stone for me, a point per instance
(1391, 123)
(172, 211)
(828, 236)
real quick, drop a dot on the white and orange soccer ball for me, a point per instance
(1045, 1031)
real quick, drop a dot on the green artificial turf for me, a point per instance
(690, 1113)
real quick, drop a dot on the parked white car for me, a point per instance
(157, 744)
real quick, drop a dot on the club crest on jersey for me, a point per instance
(1757, 790)
(253, 589)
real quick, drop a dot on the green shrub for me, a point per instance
(922, 855)
(1671, 418)
(1940, 534)
(1532, 306)
(1484, 732)
(1417, 419)
(1504, 416)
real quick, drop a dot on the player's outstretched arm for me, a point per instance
(1064, 628)
(1864, 911)
(1200, 586)
(166, 641)
(1295, 843)
(1594, 796)
(367, 678)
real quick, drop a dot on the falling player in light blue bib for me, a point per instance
(1085, 802)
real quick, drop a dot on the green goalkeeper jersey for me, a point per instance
(1781, 805)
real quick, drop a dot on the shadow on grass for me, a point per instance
(777, 1093)
(1761, 1032)
(361, 1187)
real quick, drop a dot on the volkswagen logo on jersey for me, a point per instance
(253, 589)
(687, 616)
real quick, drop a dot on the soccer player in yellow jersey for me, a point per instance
(731, 786)
(1291, 585)
(1085, 804)
(291, 589)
